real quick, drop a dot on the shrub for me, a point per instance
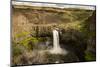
(89, 56)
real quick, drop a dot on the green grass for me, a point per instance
(22, 34)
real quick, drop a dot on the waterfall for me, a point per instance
(56, 40)
(56, 46)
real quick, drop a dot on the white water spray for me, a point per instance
(56, 47)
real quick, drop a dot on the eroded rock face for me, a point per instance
(20, 24)
(38, 21)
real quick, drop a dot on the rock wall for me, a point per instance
(26, 21)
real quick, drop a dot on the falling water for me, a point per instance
(56, 47)
(55, 40)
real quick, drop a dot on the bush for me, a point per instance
(89, 56)
(16, 50)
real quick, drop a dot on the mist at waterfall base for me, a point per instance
(55, 52)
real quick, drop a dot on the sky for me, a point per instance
(66, 5)
(85, 2)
